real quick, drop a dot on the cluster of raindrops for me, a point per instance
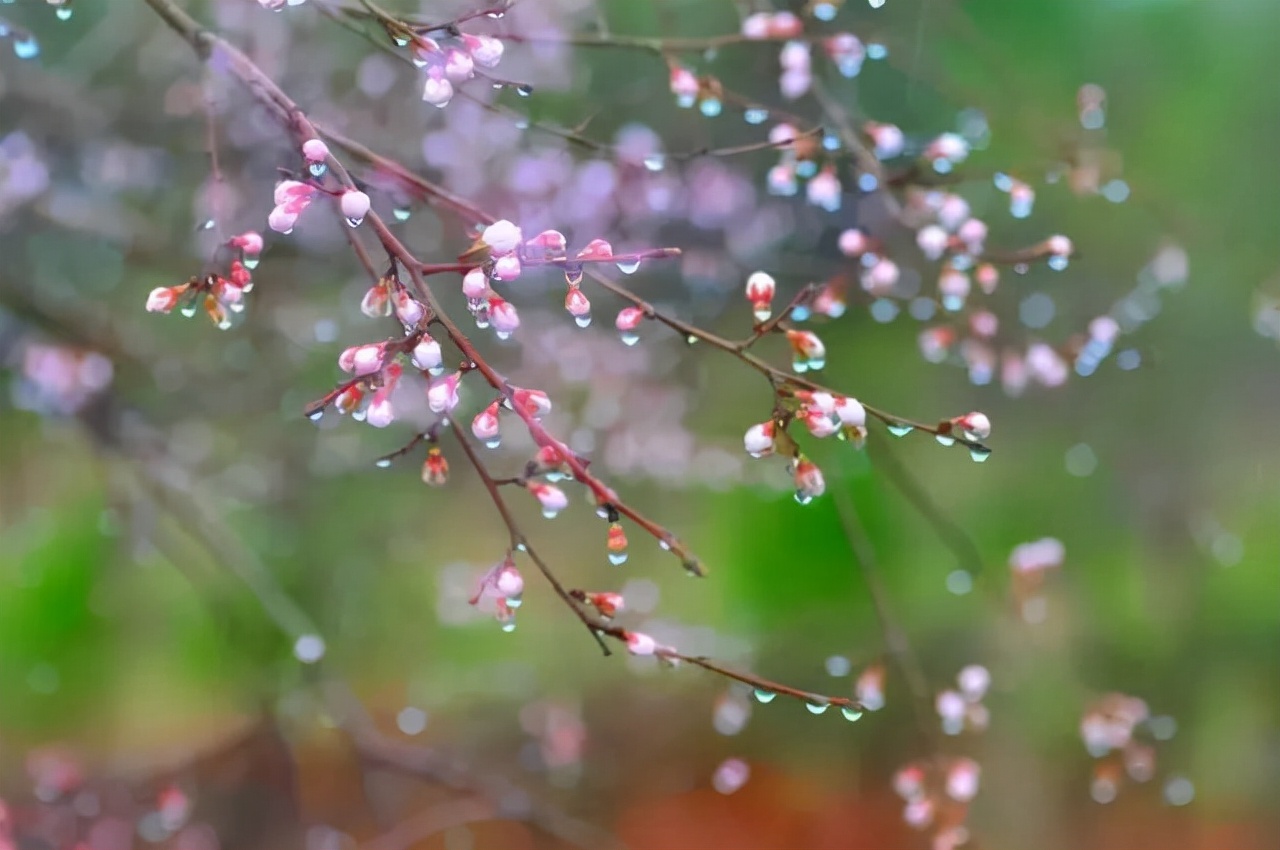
(1121, 734)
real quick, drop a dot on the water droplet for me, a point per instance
(401, 213)
(691, 339)
(816, 363)
(251, 263)
(629, 338)
(764, 697)
(582, 321)
(762, 314)
(617, 558)
(207, 224)
(400, 41)
(900, 429)
(496, 15)
(655, 162)
(315, 415)
(945, 439)
(493, 444)
(187, 310)
(817, 707)
(514, 601)
(502, 335)
(628, 266)
(710, 107)
(755, 115)
(665, 544)
(317, 169)
(354, 222)
(26, 48)
(63, 13)
(573, 275)
(800, 313)
(979, 453)
(509, 626)
(1057, 262)
(800, 366)
(550, 514)
(524, 89)
(382, 462)
(803, 498)
(853, 715)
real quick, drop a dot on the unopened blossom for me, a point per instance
(549, 243)
(616, 543)
(808, 350)
(881, 278)
(810, 483)
(363, 359)
(847, 51)
(377, 300)
(987, 277)
(819, 422)
(781, 179)
(576, 303)
(409, 310)
(426, 354)
(685, 86)
(953, 286)
(973, 426)
(380, 413)
(932, 240)
(533, 403)
(475, 284)
(355, 206)
(629, 318)
(1059, 246)
(949, 147)
(503, 315)
(953, 211)
(250, 242)
(888, 139)
(164, 298)
(485, 424)
(608, 604)
(552, 499)
(824, 401)
(869, 688)
(458, 65)
(437, 90)
(760, 291)
(506, 268)
(442, 395)
(435, 470)
(824, 190)
(962, 780)
(850, 412)
(853, 243)
(974, 679)
(973, 233)
(596, 249)
(759, 439)
(348, 401)
(639, 643)
(485, 50)
(315, 150)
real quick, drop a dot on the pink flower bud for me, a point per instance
(951, 706)
(782, 134)
(608, 604)
(367, 359)
(987, 276)
(973, 233)
(887, 138)
(163, 299)
(507, 268)
(974, 426)
(315, 150)
(597, 249)
(962, 780)
(509, 582)
(908, 782)
(503, 315)
(458, 65)
(881, 278)
(794, 56)
(442, 394)
(250, 242)
(629, 318)
(759, 439)
(810, 483)
(552, 499)
(376, 302)
(785, 25)
(760, 290)
(850, 412)
(502, 237)
(854, 243)
(380, 414)
(782, 179)
(534, 403)
(809, 351)
(576, 303)
(953, 286)
(485, 425)
(409, 310)
(291, 193)
(1059, 246)
(818, 422)
(281, 221)
(355, 206)
(435, 470)
(974, 680)
(756, 26)
(949, 147)
(437, 91)
(932, 240)
(953, 211)
(426, 354)
(485, 50)
(824, 190)
(475, 284)
(684, 85)
(550, 243)
(639, 643)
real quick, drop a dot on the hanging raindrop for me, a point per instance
(318, 169)
(853, 715)
(628, 266)
(900, 429)
(979, 453)
(817, 707)
(763, 696)
(382, 462)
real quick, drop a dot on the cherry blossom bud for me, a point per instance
(823, 401)
(936, 343)
(504, 317)
(502, 237)
(596, 249)
(818, 422)
(973, 233)
(293, 195)
(576, 303)
(1059, 246)
(475, 284)
(953, 287)
(250, 242)
(953, 211)
(951, 708)
(281, 220)
(881, 278)
(756, 26)
(948, 147)
(824, 190)
(485, 50)
(442, 394)
(850, 412)
(887, 138)
(847, 51)
(808, 350)
(608, 604)
(239, 276)
(781, 179)
(854, 243)
(760, 291)
(908, 782)
(639, 643)
(794, 56)
(962, 780)
(809, 481)
(932, 240)
(349, 399)
(685, 86)
(435, 471)
(869, 689)
(506, 268)
(380, 413)
(315, 150)
(629, 318)
(426, 355)
(1046, 365)
(988, 277)
(973, 426)
(362, 359)
(458, 65)
(616, 543)
(534, 403)
(409, 310)
(552, 499)
(437, 91)
(759, 439)
(485, 426)
(355, 206)
(163, 299)
(550, 243)
(376, 301)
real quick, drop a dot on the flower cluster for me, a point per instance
(221, 296)
(937, 795)
(449, 59)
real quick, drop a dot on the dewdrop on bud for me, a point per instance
(781, 180)
(578, 306)
(987, 277)
(608, 604)
(932, 240)
(684, 85)
(639, 643)
(629, 318)
(973, 426)
(809, 481)
(596, 249)
(426, 355)
(315, 152)
(887, 138)
(760, 290)
(250, 242)
(435, 470)
(824, 190)
(552, 499)
(503, 316)
(946, 150)
(355, 206)
(1060, 249)
(377, 302)
(485, 426)
(807, 350)
(759, 439)
(616, 543)
(509, 584)
(409, 310)
(442, 395)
